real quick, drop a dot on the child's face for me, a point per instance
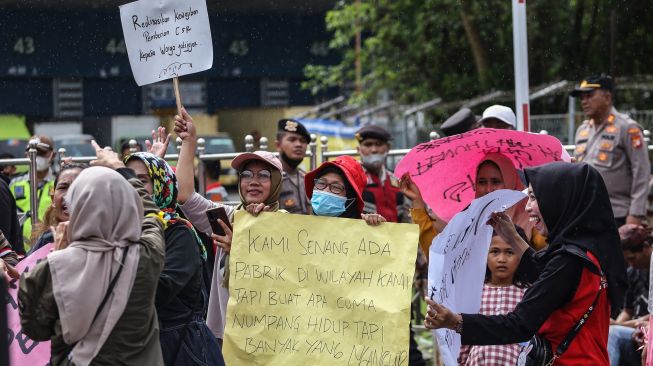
(502, 261)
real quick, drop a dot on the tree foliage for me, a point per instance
(418, 50)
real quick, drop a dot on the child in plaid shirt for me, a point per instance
(503, 290)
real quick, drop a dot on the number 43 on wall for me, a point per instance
(24, 45)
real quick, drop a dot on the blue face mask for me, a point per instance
(328, 204)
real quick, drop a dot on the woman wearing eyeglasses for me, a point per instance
(259, 188)
(336, 189)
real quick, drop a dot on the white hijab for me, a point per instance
(105, 216)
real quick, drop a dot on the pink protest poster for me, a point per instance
(649, 342)
(22, 350)
(445, 169)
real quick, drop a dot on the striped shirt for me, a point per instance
(6, 253)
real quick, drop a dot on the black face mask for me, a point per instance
(293, 163)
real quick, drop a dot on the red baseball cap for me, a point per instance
(352, 171)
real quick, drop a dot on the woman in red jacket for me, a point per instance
(569, 204)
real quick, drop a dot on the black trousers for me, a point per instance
(414, 355)
(621, 221)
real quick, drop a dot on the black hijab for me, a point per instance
(575, 205)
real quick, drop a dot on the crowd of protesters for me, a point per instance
(138, 275)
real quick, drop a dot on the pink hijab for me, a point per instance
(508, 171)
(511, 181)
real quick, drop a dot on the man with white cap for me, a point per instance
(498, 116)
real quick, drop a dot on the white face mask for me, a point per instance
(42, 163)
(373, 161)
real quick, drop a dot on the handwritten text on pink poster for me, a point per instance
(445, 169)
(22, 350)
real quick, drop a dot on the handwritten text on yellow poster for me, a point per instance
(307, 290)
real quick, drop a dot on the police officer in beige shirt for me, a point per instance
(614, 144)
(291, 143)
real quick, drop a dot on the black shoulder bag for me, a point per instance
(538, 351)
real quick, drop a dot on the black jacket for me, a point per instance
(9, 219)
(179, 293)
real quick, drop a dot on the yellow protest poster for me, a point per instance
(307, 290)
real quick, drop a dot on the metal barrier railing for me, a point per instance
(325, 154)
(312, 154)
(16, 161)
(249, 147)
(33, 198)
(332, 154)
(200, 155)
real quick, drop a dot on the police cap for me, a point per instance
(294, 126)
(373, 132)
(592, 83)
(461, 121)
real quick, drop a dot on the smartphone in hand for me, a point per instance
(213, 214)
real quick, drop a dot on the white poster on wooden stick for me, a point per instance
(166, 38)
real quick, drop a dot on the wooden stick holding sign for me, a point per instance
(167, 39)
(175, 82)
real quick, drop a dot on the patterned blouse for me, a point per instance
(6, 253)
(496, 300)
